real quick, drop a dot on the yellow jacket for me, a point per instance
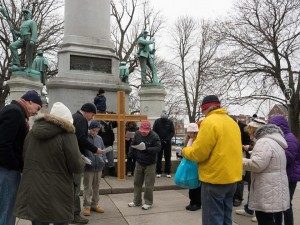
(217, 149)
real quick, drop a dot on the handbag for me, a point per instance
(186, 175)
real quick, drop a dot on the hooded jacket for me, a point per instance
(292, 152)
(217, 149)
(269, 191)
(51, 157)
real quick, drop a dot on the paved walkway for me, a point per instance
(168, 209)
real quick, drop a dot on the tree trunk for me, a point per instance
(293, 114)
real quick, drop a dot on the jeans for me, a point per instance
(77, 182)
(9, 183)
(141, 174)
(217, 202)
(288, 214)
(264, 218)
(166, 151)
(39, 223)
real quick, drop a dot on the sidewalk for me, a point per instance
(169, 206)
(168, 209)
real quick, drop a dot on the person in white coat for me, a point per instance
(269, 193)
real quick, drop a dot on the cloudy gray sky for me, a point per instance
(171, 9)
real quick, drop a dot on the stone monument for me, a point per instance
(86, 59)
(152, 101)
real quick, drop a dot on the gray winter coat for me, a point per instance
(269, 190)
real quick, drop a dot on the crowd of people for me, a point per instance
(42, 167)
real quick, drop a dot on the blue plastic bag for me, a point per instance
(186, 175)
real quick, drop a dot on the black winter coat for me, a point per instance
(107, 133)
(81, 130)
(164, 127)
(148, 156)
(13, 130)
(100, 102)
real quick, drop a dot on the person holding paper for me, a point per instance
(51, 156)
(92, 173)
(81, 118)
(144, 147)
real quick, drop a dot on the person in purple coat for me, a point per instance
(293, 164)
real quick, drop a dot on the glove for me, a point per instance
(86, 160)
(141, 146)
(178, 151)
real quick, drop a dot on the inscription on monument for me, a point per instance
(90, 63)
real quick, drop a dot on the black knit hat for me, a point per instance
(33, 96)
(89, 107)
(94, 124)
(210, 99)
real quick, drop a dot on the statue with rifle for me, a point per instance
(25, 38)
(146, 57)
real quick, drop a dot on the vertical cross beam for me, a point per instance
(121, 134)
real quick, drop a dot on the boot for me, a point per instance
(86, 211)
(78, 219)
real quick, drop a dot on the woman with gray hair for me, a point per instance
(269, 193)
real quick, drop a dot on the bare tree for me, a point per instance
(50, 28)
(263, 40)
(195, 73)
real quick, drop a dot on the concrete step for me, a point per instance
(111, 185)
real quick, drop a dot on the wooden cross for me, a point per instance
(121, 117)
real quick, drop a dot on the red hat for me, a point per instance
(210, 100)
(145, 126)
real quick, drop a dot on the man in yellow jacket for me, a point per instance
(218, 150)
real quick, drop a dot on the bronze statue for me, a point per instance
(27, 38)
(123, 72)
(40, 64)
(146, 57)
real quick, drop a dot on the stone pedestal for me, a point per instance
(19, 85)
(152, 101)
(86, 59)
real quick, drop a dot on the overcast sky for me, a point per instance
(171, 9)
